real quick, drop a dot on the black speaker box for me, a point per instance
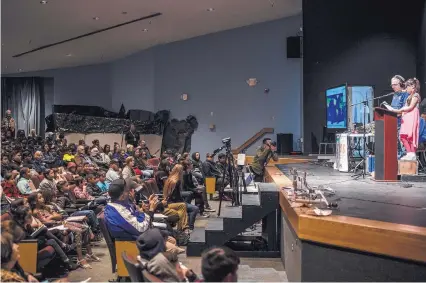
(294, 47)
(140, 115)
(284, 143)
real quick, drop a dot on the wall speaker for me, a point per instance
(294, 47)
(284, 143)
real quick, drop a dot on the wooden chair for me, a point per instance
(210, 186)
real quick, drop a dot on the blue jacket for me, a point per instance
(124, 221)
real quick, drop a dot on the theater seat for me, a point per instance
(33, 259)
(133, 268)
(116, 248)
(153, 162)
(148, 277)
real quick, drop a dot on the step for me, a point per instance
(251, 200)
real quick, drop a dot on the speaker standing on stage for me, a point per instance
(398, 101)
(132, 136)
(262, 157)
(409, 132)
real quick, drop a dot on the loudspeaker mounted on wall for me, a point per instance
(294, 47)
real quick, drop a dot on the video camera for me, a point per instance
(226, 144)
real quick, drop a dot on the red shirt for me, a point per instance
(11, 190)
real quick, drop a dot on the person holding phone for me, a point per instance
(262, 157)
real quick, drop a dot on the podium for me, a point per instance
(386, 145)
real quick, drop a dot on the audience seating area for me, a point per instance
(58, 200)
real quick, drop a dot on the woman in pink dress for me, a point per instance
(410, 119)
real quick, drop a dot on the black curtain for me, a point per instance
(25, 98)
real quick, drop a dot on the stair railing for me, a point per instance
(253, 139)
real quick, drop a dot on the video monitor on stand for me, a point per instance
(337, 109)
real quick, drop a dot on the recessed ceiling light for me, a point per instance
(5, 67)
(210, 9)
(20, 70)
(69, 55)
(96, 18)
(145, 30)
(43, 2)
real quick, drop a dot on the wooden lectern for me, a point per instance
(386, 145)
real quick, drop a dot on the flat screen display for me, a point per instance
(359, 94)
(337, 111)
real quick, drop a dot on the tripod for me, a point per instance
(363, 156)
(233, 179)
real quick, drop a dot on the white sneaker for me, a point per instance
(405, 157)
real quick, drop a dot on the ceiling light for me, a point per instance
(145, 30)
(210, 9)
(96, 18)
(20, 70)
(69, 55)
(43, 2)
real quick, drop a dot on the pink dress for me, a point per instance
(410, 123)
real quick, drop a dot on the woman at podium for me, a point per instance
(409, 132)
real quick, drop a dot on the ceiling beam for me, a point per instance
(87, 34)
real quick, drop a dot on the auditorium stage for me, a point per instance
(378, 233)
(364, 198)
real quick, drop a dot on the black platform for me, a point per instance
(362, 198)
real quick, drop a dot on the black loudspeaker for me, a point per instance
(284, 143)
(140, 115)
(294, 47)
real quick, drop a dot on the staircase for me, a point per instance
(235, 220)
(252, 140)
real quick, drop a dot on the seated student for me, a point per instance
(121, 221)
(58, 207)
(38, 165)
(25, 185)
(220, 265)
(172, 194)
(81, 232)
(9, 187)
(113, 172)
(23, 218)
(198, 192)
(9, 258)
(102, 184)
(48, 183)
(92, 187)
(166, 267)
(17, 234)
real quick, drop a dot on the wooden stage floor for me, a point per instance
(402, 203)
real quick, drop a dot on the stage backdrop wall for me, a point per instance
(360, 42)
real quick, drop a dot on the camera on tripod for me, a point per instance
(226, 141)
